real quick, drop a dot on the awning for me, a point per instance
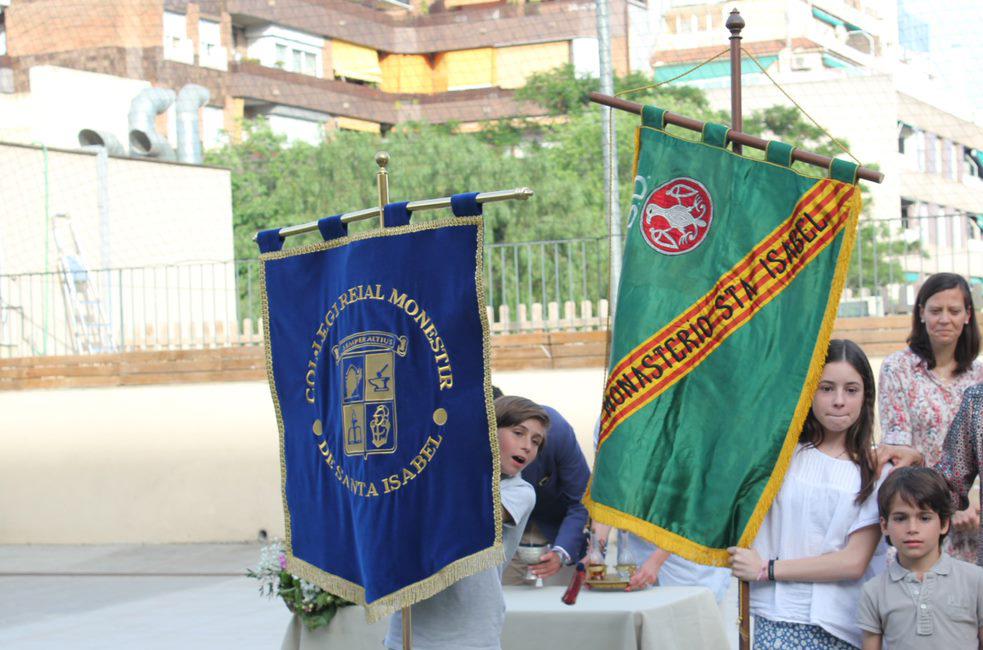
(712, 70)
(831, 61)
(829, 19)
(406, 73)
(516, 64)
(354, 124)
(355, 62)
(464, 69)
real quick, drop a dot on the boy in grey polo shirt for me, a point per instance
(926, 599)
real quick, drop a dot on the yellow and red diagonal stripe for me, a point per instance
(675, 350)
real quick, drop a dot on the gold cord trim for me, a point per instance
(265, 307)
(409, 595)
(802, 110)
(479, 281)
(632, 91)
(457, 570)
(699, 553)
(763, 71)
(812, 379)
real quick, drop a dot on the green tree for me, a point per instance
(276, 185)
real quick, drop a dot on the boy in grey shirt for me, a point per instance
(470, 613)
(926, 599)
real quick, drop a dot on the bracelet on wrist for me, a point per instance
(763, 571)
(771, 570)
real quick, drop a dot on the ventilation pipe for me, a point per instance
(104, 139)
(189, 100)
(144, 139)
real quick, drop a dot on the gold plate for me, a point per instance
(607, 585)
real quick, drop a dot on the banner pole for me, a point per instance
(735, 23)
(518, 194)
(743, 616)
(382, 180)
(800, 155)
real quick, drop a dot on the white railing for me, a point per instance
(559, 285)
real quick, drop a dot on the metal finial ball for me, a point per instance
(382, 158)
(735, 23)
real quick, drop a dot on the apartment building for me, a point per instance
(862, 69)
(307, 65)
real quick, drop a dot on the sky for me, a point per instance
(955, 41)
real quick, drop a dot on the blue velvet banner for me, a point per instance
(378, 357)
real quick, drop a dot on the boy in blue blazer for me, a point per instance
(559, 474)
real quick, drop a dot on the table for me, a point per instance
(662, 618)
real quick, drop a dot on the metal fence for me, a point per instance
(529, 286)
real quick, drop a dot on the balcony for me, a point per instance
(180, 49)
(485, 25)
(273, 86)
(215, 57)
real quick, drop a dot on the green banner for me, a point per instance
(732, 275)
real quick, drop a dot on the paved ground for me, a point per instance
(143, 597)
(187, 597)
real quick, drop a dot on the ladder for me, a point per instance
(6, 308)
(90, 329)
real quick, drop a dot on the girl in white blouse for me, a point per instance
(816, 545)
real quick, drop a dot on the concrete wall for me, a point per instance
(64, 101)
(185, 463)
(159, 213)
(178, 463)
(150, 214)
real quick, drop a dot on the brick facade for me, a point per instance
(47, 26)
(125, 38)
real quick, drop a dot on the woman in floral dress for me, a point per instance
(963, 451)
(921, 388)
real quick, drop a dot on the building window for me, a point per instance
(211, 54)
(931, 153)
(921, 152)
(939, 222)
(177, 45)
(955, 219)
(955, 151)
(974, 226)
(904, 134)
(296, 60)
(907, 208)
(278, 47)
(310, 64)
(971, 165)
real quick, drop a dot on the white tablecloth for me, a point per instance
(663, 618)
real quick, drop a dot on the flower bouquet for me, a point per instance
(314, 606)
